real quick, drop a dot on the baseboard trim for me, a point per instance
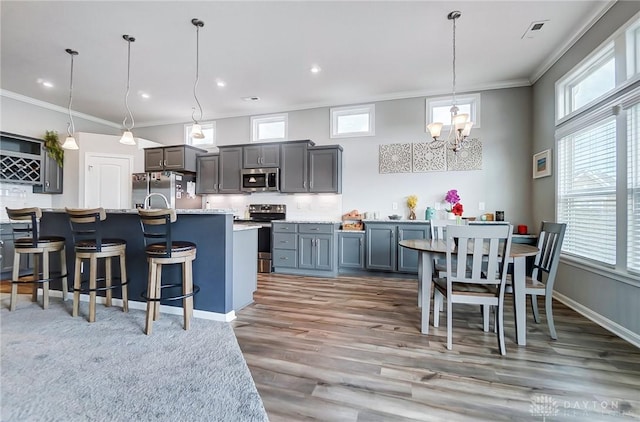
(164, 309)
(606, 323)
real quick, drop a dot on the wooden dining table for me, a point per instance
(429, 249)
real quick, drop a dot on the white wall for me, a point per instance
(503, 183)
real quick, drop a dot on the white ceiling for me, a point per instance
(367, 51)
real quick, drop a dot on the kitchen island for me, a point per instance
(226, 277)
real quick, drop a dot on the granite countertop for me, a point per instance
(402, 220)
(240, 227)
(135, 211)
(310, 221)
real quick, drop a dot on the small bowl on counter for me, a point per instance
(395, 217)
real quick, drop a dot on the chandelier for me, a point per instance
(460, 126)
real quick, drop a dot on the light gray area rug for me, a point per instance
(58, 368)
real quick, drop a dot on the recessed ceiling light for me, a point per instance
(145, 95)
(315, 69)
(251, 98)
(220, 83)
(45, 83)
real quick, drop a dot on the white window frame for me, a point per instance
(337, 112)
(473, 100)
(256, 121)
(205, 126)
(614, 103)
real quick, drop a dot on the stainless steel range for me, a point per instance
(265, 214)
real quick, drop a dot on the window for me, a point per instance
(269, 128)
(598, 158)
(209, 131)
(438, 109)
(353, 121)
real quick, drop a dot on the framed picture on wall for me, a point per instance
(542, 164)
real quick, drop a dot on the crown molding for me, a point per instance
(563, 48)
(56, 108)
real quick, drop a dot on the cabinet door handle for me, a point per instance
(284, 241)
(360, 241)
(283, 258)
(160, 163)
(165, 163)
(401, 234)
(304, 184)
(46, 184)
(314, 228)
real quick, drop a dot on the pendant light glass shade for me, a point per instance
(196, 131)
(70, 142)
(127, 136)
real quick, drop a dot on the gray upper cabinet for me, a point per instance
(325, 169)
(257, 156)
(51, 175)
(174, 158)
(307, 168)
(207, 166)
(230, 170)
(293, 167)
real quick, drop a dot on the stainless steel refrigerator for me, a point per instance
(178, 188)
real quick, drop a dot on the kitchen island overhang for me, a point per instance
(214, 234)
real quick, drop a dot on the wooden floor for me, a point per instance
(350, 349)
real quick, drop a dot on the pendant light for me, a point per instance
(70, 142)
(127, 136)
(196, 129)
(460, 124)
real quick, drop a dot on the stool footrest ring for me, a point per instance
(56, 276)
(196, 289)
(100, 289)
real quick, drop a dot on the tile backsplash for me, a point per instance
(20, 196)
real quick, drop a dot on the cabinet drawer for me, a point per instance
(284, 227)
(284, 240)
(285, 258)
(315, 228)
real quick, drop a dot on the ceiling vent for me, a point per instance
(534, 29)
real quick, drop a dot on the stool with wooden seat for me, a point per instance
(161, 250)
(27, 240)
(89, 243)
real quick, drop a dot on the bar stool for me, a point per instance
(27, 240)
(161, 250)
(89, 243)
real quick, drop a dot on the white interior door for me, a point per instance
(107, 181)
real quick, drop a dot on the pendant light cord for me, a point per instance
(454, 61)
(198, 24)
(129, 40)
(70, 126)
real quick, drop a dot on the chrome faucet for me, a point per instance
(147, 204)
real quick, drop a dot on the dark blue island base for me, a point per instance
(221, 294)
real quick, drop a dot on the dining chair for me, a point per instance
(476, 273)
(438, 231)
(543, 273)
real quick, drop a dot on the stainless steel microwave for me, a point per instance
(261, 180)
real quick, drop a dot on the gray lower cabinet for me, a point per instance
(383, 251)
(305, 248)
(230, 170)
(351, 250)
(207, 166)
(6, 253)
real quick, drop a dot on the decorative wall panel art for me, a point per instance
(419, 157)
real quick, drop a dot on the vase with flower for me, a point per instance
(455, 210)
(412, 201)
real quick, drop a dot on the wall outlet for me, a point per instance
(481, 206)
(394, 205)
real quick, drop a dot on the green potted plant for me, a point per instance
(53, 147)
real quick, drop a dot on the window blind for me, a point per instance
(587, 191)
(633, 189)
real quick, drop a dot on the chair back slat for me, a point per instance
(86, 225)
(25, 223)
(483, 248)
(156, 227)
(550, 245)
